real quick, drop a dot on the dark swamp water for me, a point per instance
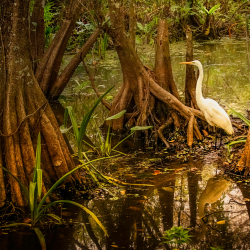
(137, 216)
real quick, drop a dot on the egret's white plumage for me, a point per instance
(215, 115)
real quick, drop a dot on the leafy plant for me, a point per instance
(244, 119)
(80, 86)
(37, 210)
(216, 248)
(211, 11)
(106, 147)
(176, 236)
(79, 133)
(148, 29)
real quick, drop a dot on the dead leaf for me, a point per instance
(168, 189)
(27, 220)
(156, 172)
(221, 222)
(123, 192)
(205, 133)
(114, 246)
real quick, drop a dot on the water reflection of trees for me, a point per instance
(177, 199)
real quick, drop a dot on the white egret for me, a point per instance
(214, 114)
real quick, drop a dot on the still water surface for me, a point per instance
(182, 193)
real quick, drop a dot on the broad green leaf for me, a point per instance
(64, 130)
(32, 195)
(213, 9)
(118, 115)
(136, 128)
(40, 237)
(39, 181)
(140, 26)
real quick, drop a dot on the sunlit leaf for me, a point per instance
(116, 116)
(221, 222)
(136, 128)
(39, 181)
(32, 195)
(40, 237)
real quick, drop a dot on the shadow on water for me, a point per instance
(181, 195)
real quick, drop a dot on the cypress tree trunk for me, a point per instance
(24, 109)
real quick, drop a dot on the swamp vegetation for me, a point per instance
(97, 112)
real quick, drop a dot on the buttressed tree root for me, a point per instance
(149, 97)
(24, 110)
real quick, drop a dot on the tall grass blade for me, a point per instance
(73, 122)
(55, 217)
(82, 207)
(40, 237)
(39, 181)
(32, 195)
(16, 225)
(38, 152)
(87, 117)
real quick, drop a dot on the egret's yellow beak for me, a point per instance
(186, 63)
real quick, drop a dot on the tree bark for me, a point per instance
(37, 37)
(132, 22)
(139, 90)
(244, 163)
(25, 109)
(47, 71)
(57, 88)
(190, 83)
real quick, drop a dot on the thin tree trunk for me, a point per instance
(47, 71)
(132, 22)
(190, 83)
(57, 88)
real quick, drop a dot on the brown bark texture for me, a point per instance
(37, 37)
(58, 86)
(244, 162)
(190, 82)
(24, 109)
(142, 88)
(132, 22)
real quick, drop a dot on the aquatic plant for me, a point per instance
(34, 192)
(244, 119)
(79, 133)
(105, 146)
(176, 236)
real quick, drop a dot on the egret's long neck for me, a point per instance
(199, 97)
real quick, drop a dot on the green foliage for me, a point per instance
(49, 14)
(244, 119)
(79, 133)
(239, 115)
(80, 86)
(176, 236)
(216, 248)
(37, 211)
(148, 30)
(211, 11)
